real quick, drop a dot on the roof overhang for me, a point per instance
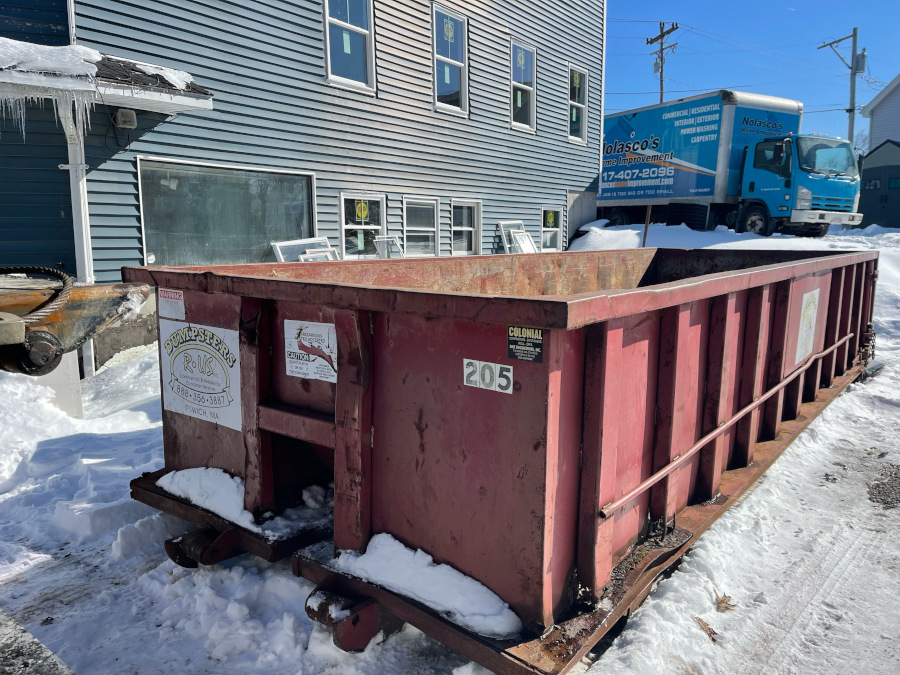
(169, 102)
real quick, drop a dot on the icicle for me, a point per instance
(33, 89)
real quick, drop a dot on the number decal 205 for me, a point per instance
(484, 375)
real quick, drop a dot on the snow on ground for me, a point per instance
(812, 565)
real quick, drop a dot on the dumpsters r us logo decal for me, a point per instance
(201, 372)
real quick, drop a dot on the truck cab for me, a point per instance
(799, 185)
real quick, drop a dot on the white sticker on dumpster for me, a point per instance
(484, 375)
(310, 350)
(809, 311)
(201, 372)
(171, 304)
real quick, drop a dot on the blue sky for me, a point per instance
(760, 46)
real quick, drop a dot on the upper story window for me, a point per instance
(578, 83)
(451, 77)
(522, 82)
(349, 45)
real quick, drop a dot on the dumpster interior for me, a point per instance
(550, 274)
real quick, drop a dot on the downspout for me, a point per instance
(84, 264)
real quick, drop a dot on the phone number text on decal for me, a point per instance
(211, 400)
(628, 174)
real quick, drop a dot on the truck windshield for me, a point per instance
(823, 155)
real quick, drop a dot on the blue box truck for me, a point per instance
(727, 158)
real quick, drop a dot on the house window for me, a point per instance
(893, 183)
(872, 184)
(420, 227)
(466, 227)
(551, 230)
(362, 220)
(578, 83)
(521, 85)
(451, 87)
(201, 214)
(349, 45)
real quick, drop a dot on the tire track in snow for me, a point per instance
(810, 584)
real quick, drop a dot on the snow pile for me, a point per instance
(599, 238)
(177, 78)
(26, 57)
(461, 599)
(248, 608)
(213, 490)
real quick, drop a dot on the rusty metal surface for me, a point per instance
(145, 489)
(553, 290)
(561, 648)
(88, 311)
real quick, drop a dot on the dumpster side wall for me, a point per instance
(265, 63)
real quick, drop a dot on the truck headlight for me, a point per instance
(804, 198)
(856, 202)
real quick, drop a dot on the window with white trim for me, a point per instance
(362, 219)
(451, 77)
(578, 83)
(551, 230)
(522, 85)
(466, 227)
(350, 49)
(420, 227)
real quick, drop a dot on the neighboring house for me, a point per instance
(883, 113)
(879, 198)
(430, 121)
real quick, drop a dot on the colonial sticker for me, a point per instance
(170, 304)
(809, 310)
(201, 372)
(310, 350)
(526, 344)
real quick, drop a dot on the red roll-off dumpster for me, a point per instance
(529, 420)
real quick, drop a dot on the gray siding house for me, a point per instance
(432, 121)
(883, 113)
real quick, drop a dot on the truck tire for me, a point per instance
(756, 219)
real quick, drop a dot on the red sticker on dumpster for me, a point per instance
(526, 344)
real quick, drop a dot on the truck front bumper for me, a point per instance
(810, 217)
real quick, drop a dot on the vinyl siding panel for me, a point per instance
(35, 201)
(265, 63)
(884, 124)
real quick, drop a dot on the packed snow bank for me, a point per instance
(213, 490)
(599, 237)
(461, 599)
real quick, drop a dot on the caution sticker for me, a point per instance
(526, 344)
(310, 350)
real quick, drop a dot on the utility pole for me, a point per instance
(857, 65)
(661, 54)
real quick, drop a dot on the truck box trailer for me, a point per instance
(727, 158)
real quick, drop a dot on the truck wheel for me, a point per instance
(618, 217)
(755, 219)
